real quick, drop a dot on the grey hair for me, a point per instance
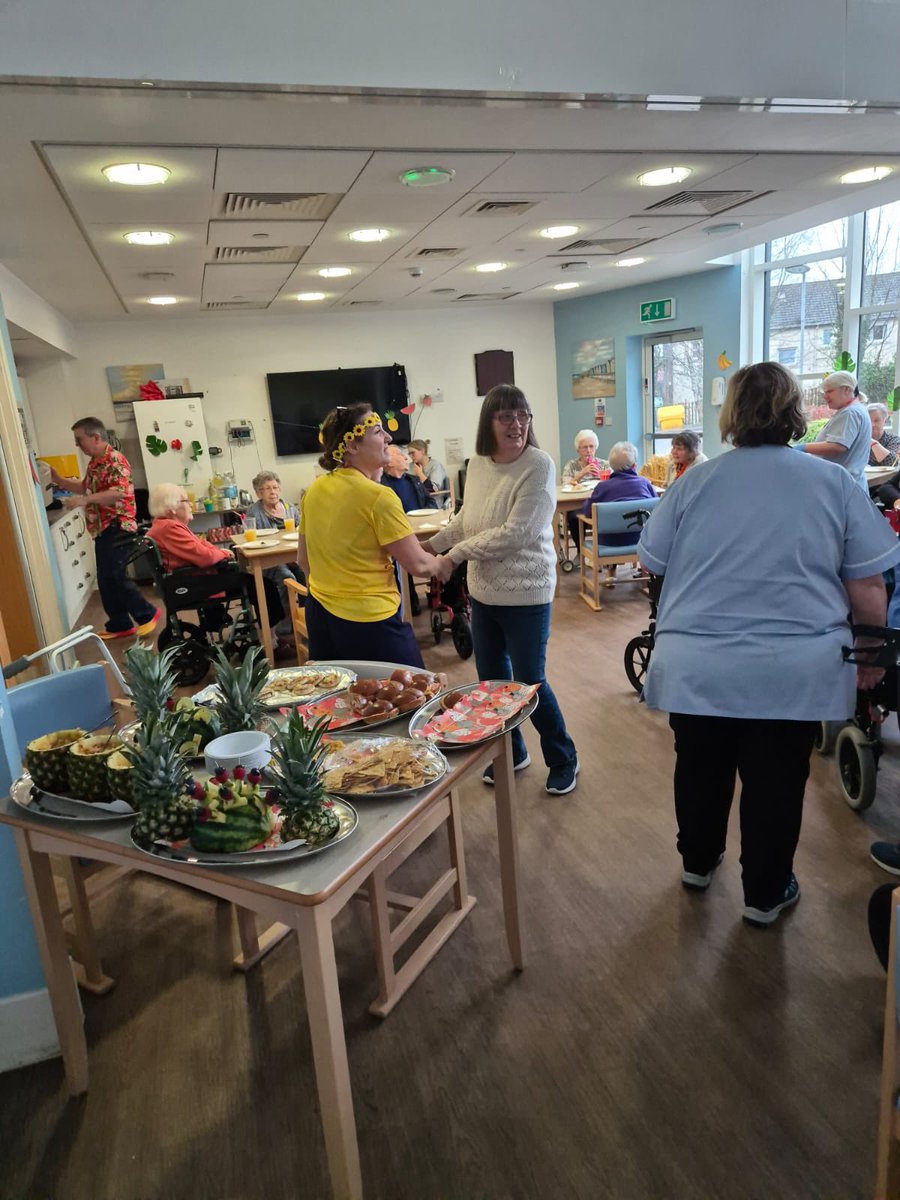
(264, 477)
(586, 433)
(622, 456)
(164, 498)
(880, 408)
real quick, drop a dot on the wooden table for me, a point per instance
(255, 559)
(303, 895)
(568, 500)
(876, 476)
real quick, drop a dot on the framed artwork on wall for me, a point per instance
(594, 369)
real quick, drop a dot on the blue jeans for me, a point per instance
(511, 643)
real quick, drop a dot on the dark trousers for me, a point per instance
(511, 643)
(389, 641)
(123, 603)
(772, 759)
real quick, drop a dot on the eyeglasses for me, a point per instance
(513, 416)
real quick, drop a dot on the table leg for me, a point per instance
(326, 1028)
(508, 849)
(265, 631)
(51, 940)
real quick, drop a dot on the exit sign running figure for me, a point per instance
(657, 310)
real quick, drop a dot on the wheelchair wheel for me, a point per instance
(191, 663)
(243, 637)
(826, 735)
(567, 566)
(462, 636)
(637, 660)
(857, 767)
(437, 627)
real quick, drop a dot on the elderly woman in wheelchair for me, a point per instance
(193, 575)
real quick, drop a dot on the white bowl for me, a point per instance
(250, 749)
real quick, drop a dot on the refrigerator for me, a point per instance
(173, 443)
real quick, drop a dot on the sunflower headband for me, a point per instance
(357, 431)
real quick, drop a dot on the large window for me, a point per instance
(673, 366)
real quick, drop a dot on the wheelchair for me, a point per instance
(858, 745)
(221, 600)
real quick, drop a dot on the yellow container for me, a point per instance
(64, 464)
(670, 416)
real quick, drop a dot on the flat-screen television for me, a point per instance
(300, 401)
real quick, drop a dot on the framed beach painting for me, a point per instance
(594, 369)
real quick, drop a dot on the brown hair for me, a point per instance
(762, 407)
(92, 426)
(688, 441)
(501, 398)
(338, 422)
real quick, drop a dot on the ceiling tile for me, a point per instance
(553, 171)
(248, 281)
(262, 233)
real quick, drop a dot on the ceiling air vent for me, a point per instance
(223, 304)
(703, 204)
(282, 254)
(436, 252)
(487, 296)
(306, 206)
(500, 208)
(601, 246)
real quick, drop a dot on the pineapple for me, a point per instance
(296, 773)
(158, 782)
(119, 770)
(152, 679)
(88, 776)
(239, 706)
(47, 759)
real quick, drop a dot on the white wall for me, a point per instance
(26, 309)
(228, 359)
(807, 48)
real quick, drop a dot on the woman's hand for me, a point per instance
(445, 568)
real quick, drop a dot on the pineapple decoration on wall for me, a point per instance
(390, 421)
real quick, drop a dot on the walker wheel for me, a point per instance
(462, 636)
(567, 566)
(437, 627)
(637, 660)
(826, 735)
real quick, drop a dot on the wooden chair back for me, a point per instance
(597, 555)
(297, 591)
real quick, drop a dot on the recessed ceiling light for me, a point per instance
(426, 176)
(369, 235)
(311, 296)
(136, 174)
(558, 231)
(157, 276)
(663, 176)
(565, 287)
(486, 268)
(149, 237)
(630, 262)
(334, 272)
(162, 299)
(867, 175)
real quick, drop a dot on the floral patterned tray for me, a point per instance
(481, 711)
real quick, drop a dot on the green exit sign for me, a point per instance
(657, 310)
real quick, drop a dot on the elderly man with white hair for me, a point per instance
(885, 448)
(623, 484)
(847, 438)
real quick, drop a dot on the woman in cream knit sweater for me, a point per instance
(504, 532)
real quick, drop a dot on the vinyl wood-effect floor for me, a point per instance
(654, 1048)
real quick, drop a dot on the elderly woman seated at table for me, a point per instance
(585, 466)
(885, 451)
(178, 547)
(685, 454)
(271, 512)
(623, 484)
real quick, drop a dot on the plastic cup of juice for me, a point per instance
(249, 529)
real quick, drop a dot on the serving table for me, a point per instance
(255, 558)
(302, 895)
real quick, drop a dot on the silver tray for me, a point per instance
(360, 725)
(426, 750)
(210, 694)
(65, 808)
(347, 815)
(423, 715)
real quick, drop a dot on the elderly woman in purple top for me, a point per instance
(623, 484)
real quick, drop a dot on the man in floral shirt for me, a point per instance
(107, 496)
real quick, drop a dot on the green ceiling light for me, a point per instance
(136, 174)
(426, 176)
(149, 237)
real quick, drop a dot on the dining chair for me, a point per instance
(656, 468)
(597, 555)
(77, 698)
(296, 592)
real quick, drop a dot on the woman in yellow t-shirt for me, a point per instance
(350, 529)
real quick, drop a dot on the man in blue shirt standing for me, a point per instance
(847, 438)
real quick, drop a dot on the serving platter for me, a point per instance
(486, 723)
(352, 767)
(33, 799)
(266, 855)
(292, 679)
(343, 715)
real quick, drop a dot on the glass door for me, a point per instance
(673, 387)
